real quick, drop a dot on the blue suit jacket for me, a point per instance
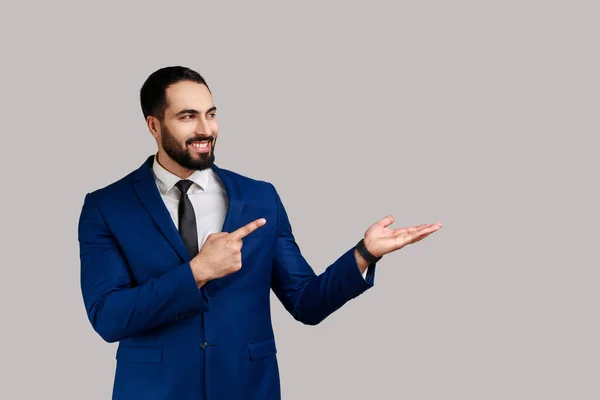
(181, 342)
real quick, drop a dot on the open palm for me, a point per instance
(380, 239)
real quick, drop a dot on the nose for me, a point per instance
(204, 128)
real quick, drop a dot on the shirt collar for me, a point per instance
(166, 179)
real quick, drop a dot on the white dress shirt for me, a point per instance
(207, 194)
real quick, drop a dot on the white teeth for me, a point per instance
(200, 145)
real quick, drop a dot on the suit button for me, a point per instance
(203, 345)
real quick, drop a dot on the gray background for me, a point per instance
(480, 115)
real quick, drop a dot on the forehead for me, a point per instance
(188, 95)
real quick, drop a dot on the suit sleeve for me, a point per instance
(115, 306)
(308, 297)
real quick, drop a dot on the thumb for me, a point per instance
(216, 235)
(388, 220)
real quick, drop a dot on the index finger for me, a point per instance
(248, 229)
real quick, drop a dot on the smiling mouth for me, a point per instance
(201, 146)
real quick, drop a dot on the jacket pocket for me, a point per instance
(153, 355)
(262, 349)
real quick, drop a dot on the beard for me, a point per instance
(184, 157)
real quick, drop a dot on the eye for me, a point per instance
(187, 117)
(212, 115)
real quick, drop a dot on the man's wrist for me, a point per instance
(365, 253)
(361, 262)
(199, 272)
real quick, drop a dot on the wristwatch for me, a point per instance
(362, 250)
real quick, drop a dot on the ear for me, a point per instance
(153, 125)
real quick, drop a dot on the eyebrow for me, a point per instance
(192, 111)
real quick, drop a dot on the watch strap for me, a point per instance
(362, 250)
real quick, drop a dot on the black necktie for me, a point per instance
(187, 218)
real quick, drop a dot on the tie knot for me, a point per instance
(183, 185)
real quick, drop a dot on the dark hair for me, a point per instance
(152, 94)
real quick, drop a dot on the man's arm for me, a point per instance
(116, 308)
(363, 265)
(308, 297)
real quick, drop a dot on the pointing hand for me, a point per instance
(221, 253)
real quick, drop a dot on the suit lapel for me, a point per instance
(147, 191)
(232, 217)
(234, 197)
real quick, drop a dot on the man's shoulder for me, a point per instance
(115, 189)
(245, 180)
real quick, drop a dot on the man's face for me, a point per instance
(189, 130)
